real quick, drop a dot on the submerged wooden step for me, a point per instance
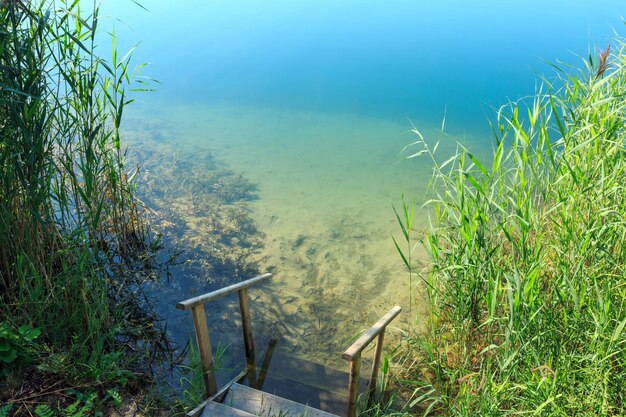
(300, 380)
(310, 373)
(268, 405)
(213, 409)
(311, 395)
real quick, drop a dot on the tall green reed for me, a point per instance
(69, 224)
(406, 225)
(528, 258)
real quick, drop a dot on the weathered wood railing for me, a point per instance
(353, 354)
(196, 305)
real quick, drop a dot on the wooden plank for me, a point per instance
(201, 299)
(198, 410)
(204, 348)
(375, 365)
(365, 339)
(221, 393)
(315, 397)
(353, 384)
(213, 409)
(217, 397)
(313, 374)
(267, 405)
(248, 341)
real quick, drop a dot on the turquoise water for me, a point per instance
(312, 102)
(393, 60)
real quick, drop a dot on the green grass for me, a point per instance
(71, 232)
(527, 274)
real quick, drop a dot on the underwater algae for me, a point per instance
(334, 267)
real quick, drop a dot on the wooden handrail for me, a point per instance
(196, 305)
(365, 339)
(353, 354)
(204, 298)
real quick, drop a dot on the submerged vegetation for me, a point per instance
(201, 209)
(71, 231)
(527, 282)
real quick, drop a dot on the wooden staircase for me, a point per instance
(283, 386)
(309, 383)
(259, 403)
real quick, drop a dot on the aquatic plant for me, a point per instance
(528, 258)
(200, 208)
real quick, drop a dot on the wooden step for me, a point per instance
(306, 382)
(300, 392)
(301, 370)
(268, 405)
(213, 409)
(300, 380)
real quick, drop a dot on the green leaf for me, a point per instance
(405, 232)
(416, 154)
(406, 262)
(478, 164)
(618, 330)
(8, 357)
(44, 410)
(29, 333)
(474, 182)
(140, 5)
(4, 410)
(115, 396)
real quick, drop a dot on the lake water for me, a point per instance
(312, 102)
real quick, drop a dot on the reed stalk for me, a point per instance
(528, 258)
(70, 228)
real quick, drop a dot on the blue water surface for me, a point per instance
(394, 59)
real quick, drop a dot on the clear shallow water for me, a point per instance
(313, 101)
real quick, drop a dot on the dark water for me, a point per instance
(312, 102)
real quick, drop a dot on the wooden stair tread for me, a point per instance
(310, 373)
(306, 382)
(303, 393)
(268, 405)
(213, 409)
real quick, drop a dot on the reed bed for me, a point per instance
(527, 274)
(71, 232)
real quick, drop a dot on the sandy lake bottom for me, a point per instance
(307, 196)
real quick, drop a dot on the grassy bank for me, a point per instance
(71, 320)
(527, 274)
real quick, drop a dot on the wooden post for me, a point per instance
(353, 385)
(204, 348)
(266, 363)
(247, 335)
(353, 354)
(376, 365)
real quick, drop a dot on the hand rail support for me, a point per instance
(353, 354)
(204, 349)
(196, 305)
